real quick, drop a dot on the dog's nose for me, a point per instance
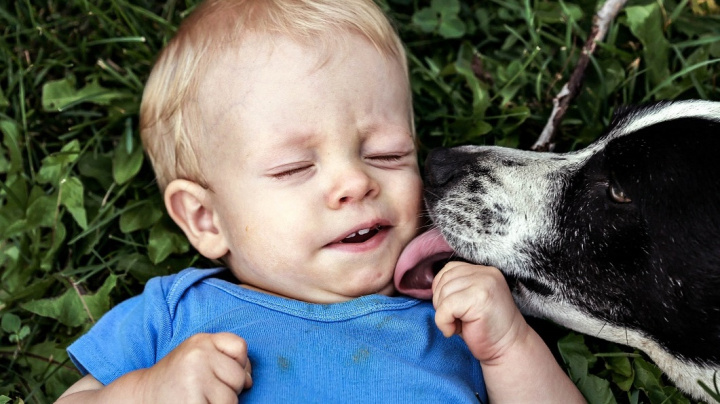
(443, 164)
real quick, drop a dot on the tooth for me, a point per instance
(352, 235)
(363, 231)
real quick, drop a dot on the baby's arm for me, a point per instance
(475, 302)
(205, 368)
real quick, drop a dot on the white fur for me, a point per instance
(524, 197)
(680, 109)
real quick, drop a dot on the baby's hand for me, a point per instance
(205, 368)
(475, 302)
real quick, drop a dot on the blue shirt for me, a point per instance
(370, 349)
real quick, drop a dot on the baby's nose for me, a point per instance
(351, 185)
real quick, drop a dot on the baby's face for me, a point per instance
(312, 167)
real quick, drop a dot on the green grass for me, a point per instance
(81, 222)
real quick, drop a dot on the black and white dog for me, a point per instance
(620, 240)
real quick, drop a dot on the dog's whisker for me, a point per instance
(627, 339)
(601, 329)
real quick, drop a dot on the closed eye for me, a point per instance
(290, 172)
(392, 159)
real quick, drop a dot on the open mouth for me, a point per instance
(362, 235)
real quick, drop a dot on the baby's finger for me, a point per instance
(441, 279)
(448, 315)
(248, 373)
(230, 373)
(231, 345)
(455, 277)
(235, 348)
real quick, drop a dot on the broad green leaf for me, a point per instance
(11, 141)
(97, 94)
(576, 354)
(57, 237)
(12, 275)
(596, 390)
(9, 255)
(446, 6)
(126, 165)
(622, 371)
(49, 173)
(552, 12)
(15, 207)
(426, 19)
(481, 128)
(647, 378)
(463, 66)
(53, 166)
(443, 16)
(143, 216)
(41, 212)
(163, 242)
(10, 323)
(97, 166)
(60, 94)
(646, 23)
(579, 360)
(451, 27)
(71, 196)
(69, 309)
(20, 335)
(139, 266)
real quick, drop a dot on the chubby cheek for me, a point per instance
(276, 234)
(410, 202)
(255, 249)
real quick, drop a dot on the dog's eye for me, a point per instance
(617, 194)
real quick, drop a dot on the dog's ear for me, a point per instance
(190, 206)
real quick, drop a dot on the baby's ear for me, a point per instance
(190, 206)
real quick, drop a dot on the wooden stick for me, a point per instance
(561, 102)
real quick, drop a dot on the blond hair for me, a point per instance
(170, 125)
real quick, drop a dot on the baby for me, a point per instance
(281, 133)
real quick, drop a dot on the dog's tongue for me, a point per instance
(423, 257)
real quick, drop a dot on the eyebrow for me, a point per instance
(294, 139)
(299, 139)
(367, 131)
